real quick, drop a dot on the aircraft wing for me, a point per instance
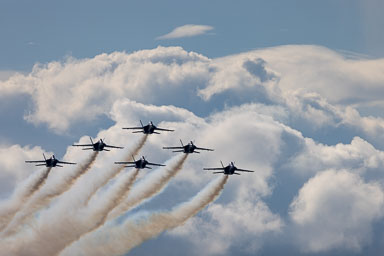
(82, 145)
(242, 170)
(173, 147)
(132, 128)
(162, 129)
(40, 161)
(155, 164)
(125, 162)
(207, 149)
(212, 169)
(108, 146)
(61, 162)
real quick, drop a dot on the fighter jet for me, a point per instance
(98, 146)
(50, 162)
(187, 149)
(140, 164)
(147, 129)
(229, 169)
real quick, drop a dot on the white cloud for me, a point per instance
(221, 226)
(13, 168)
(336, 209)
(299, 79)
(186, 31)
(252, 108)
(80, 90)
(6, 74)
(358, 156)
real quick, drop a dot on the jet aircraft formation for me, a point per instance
(142, 162)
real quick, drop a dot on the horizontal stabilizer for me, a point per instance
(242, 170)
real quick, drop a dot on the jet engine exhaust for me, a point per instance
(42, 199)
(150, 186)
(33, 184)
(116, 170)
(121, 238)
(99, 212)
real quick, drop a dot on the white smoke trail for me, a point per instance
(100, 211)
(33, 183)
(42, 199)
(58, 229)
(150, 186)
(52, 235)
(120, 239)
(115, 171)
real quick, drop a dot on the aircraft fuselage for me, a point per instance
(230, 169)
(98, 146)
(141, 163)
(149, 129)
(51, 162)
(190, 148)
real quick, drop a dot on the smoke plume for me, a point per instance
(51, 236)
(99, 212)
(42, 199)
(150, 186)
(54, 234)
(121, 238)
(116, 170)
(21, 195)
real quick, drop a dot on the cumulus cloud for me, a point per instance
(80, 90)
(336, 209)
(5, 74)
(186, 31)
(270, 110)
(74, 91)
(359, 156)
(12, 165)
(222, 226)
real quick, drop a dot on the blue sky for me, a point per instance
(290, 89)
(42, 31)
